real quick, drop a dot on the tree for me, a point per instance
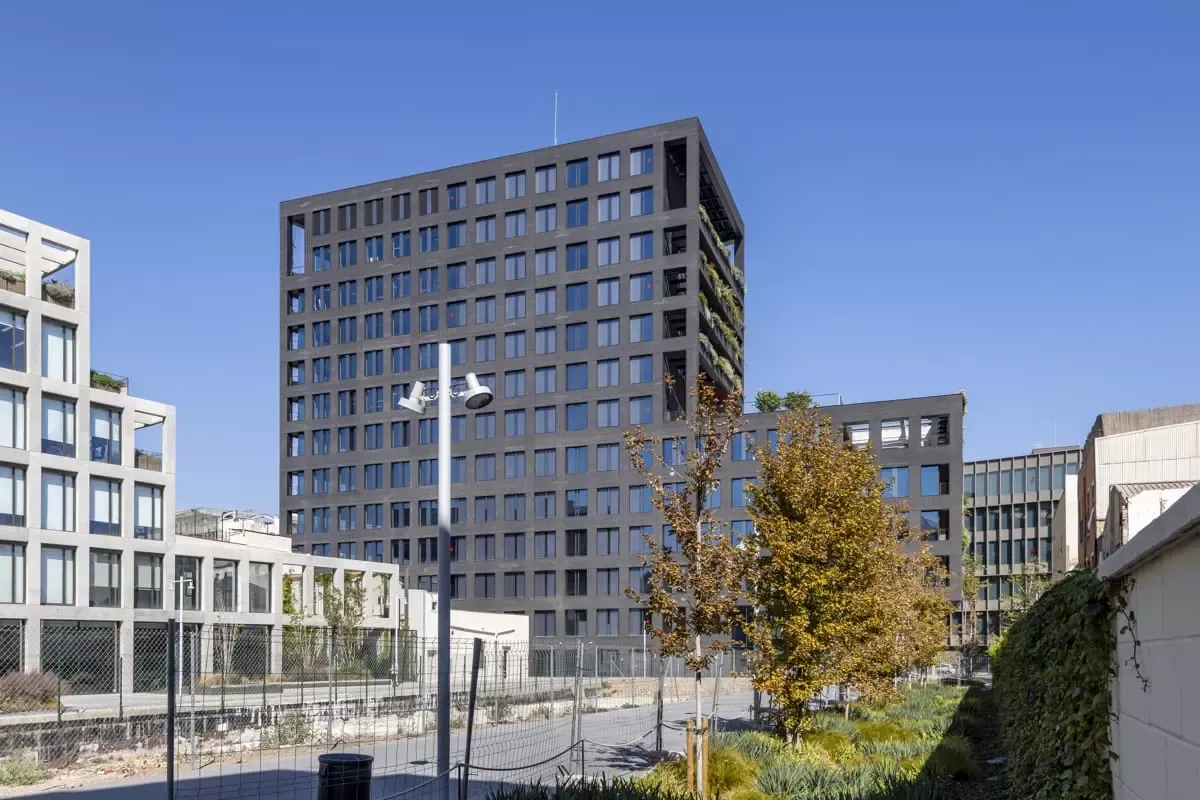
(1028, 585)
(970, 644)
(797, 401)
(694, 585)
(767, 401)
(843, 591)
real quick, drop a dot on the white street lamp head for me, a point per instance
(476, 395)
(415, 401)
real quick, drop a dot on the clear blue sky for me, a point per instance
(1002, 198)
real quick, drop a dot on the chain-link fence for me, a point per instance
(255, 708)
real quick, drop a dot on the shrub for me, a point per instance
(20, 772)
(752, 744)
(292, 729)
(728, 772)
(831, 721)
(1052, 678)
(20, 691)
(835, 743)
(952, 758)
(600, 789)
(881, 732)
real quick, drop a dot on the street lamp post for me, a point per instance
(179, 584)
(475, 396)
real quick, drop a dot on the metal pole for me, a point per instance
(179, 588)
(476, 650)
(443, 620)
(170, 710)
(699, 654)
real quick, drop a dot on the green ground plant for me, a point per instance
(928, 745)
(21, 772)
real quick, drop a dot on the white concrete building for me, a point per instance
(87, 471)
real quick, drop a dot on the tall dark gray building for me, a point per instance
(571, 280)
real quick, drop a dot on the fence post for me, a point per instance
(689, 726)
(717, 689)
(329, 680)
(171, 708)
(577, 710)
(476, 650)
(658, 701)
(496, 681)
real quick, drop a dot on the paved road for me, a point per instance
(619, 741)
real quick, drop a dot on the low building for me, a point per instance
(1133, 506)
(1148, 446)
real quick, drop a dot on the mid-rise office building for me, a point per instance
(917, 443)
(1009, 512)
(571, 279)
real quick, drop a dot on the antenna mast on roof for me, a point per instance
(556, 118)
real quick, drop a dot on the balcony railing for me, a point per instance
(104, 528)
(12, 282)
(60, 294)
(54, 447)
(108, 382)
(147, 459)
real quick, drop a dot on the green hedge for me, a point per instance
(1052, 679)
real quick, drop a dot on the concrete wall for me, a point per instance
(1064, 528)
(1148, 506)
(1167, 453)
(1156, 730)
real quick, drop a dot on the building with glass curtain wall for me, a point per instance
(1009, 510)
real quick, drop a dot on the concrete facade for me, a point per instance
(1133, 506)
(522, 485)
(1064, 528)
(1010, 508)
(83, 485)
(1151, 445)
(1156, 728)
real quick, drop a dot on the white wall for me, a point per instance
(1064, 527)
(1145, 507)
(1168, 453)
(1156, 731)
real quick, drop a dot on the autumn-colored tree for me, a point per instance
(843, 592)
(694, 584)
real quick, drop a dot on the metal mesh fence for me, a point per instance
(256, 708)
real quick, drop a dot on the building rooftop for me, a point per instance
(1128, 490)
(1115, 422)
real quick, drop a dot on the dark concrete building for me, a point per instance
(918, 445)
(1010, 509)
(571, 280)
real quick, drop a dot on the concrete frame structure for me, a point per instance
(29, 253)
(33, 255)
(692, 318)
(1000, 495)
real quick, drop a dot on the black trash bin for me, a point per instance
(344, 776)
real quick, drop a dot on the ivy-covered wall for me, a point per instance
(1052, 676)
